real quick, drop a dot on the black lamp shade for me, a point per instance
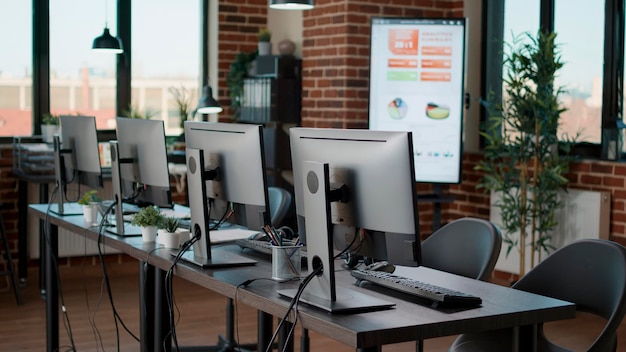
(291, 4)
(107, 42)
(208, 105)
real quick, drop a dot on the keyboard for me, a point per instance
(438, 296)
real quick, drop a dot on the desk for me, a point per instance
(502, 306)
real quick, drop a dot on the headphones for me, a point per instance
(286, 232)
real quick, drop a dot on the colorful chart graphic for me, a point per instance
(397, 109)
(436, 111)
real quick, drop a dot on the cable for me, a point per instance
(116, 316)
(293, 302)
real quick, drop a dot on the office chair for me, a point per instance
(280, 202)
(589, 273)
(467, 246)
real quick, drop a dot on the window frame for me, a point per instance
(612, 125)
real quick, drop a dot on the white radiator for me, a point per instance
(70, 244)
(585, 214)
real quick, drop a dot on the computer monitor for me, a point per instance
(371, 195)
(77, 160)
(225, 170)
(140, 174)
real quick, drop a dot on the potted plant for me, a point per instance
(148, 218)
(238, 71)
(49, 127)
(168, 236)
(183, 97)
(524, 163)
(133, 112)
(90, 202)
(265, 47)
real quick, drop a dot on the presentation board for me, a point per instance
(417, 69)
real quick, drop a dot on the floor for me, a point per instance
(90, 325)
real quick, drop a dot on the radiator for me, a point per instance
(585, 214)
(70, 244)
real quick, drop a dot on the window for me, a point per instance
(81, 81)
(166, 56)
(16, 70)
(582, 50)
(591, 48)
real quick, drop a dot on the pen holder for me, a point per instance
(286, 263)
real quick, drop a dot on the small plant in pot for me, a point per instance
(90, 202)
(168, 236)
(148, 218)
(49, 127)
(265, 47)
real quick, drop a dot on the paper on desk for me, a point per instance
(229, 235)
(175, 214)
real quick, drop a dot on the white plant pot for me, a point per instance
(169, 239)
(48, 132)
(148, 233)
(90, 214)
(265, 48)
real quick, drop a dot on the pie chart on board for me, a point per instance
(397, 109)
(436, 111)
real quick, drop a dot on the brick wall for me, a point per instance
(239, 24)
(335, 53)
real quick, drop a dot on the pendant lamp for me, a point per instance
(291, 4)
(207, 104)
(106, 42)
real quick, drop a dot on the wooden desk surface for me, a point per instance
(407, 321)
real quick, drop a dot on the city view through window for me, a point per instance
(165, 60)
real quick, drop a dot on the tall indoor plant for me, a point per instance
(524, 162)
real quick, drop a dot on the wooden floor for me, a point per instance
(200, 316)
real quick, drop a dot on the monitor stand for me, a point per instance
(202, 254)
(61, 207)
(219, 259)
(66, 209)
(321, 291)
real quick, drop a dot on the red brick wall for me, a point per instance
(239, 24)
(335, 53)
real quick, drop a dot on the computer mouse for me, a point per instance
(381, 266)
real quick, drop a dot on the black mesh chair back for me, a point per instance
(280, 202)
(467, 246)
(589, 273)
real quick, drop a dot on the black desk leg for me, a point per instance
(52, 293)
(146, 310)
(265, 330)
(22, 242)
(305, 342)
(162, 321)
(43, 198)
(285, 344)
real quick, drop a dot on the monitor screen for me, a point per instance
(76, 161)
(79, 143)
(373, 181)
(143, 166)
(226, 170)
(417, 68)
